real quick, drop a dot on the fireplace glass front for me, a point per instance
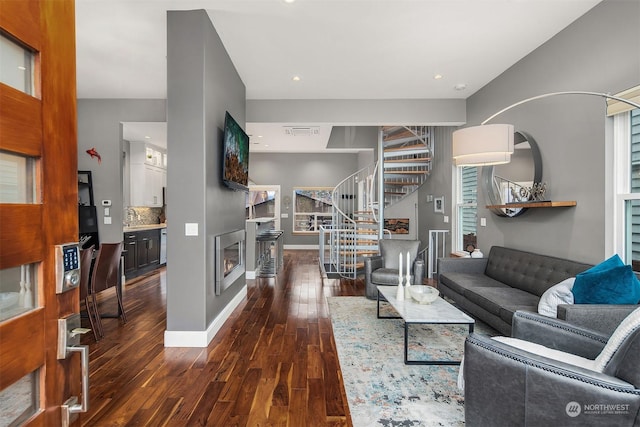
(229, 259)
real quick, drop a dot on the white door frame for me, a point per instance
(275, 188)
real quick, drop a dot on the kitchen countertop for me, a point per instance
(263, 219)
(143, 227)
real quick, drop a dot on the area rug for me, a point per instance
(381, 389)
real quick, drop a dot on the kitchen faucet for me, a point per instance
(131, 215)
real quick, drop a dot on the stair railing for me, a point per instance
(359, 200)
(353, 196)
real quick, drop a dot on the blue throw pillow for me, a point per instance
(607, 264)
(617, 285)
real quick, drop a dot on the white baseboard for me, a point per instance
(203, 338)
(302, 247)
(250, 274)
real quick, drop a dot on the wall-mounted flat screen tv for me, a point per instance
(235, 168)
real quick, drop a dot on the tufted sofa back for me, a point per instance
(528, 271)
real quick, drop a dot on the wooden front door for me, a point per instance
(38, 206)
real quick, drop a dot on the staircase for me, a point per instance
(405, 153)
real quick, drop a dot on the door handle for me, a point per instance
(71, 406)
(69, 331)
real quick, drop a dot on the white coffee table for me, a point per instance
(438, 312)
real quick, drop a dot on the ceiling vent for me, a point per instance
(302, 130)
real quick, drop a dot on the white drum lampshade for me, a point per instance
(483, 145)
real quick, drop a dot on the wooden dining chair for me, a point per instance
(106, 274)
(86, 258)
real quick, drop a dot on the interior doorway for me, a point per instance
(263, 201)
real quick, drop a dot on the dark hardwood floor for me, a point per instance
(273, 363)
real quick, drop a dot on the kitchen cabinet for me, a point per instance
(143, 252)
(131, 254)
(148, 174)
(148, 249)
(146, 185)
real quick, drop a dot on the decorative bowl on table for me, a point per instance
(424, 294)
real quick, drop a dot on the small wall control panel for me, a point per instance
(67, 267)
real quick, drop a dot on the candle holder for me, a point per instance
(400, 294)
(407, 285)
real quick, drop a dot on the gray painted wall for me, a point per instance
(300, 170)
(407, 207)
(99, 126)
(202, 84)
(360, 112)
(598, 52)
(364, 138)
(353, 137)
(438, 185)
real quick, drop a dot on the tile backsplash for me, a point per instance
(146, 214)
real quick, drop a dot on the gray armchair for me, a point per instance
(383, 269)
(507, 385)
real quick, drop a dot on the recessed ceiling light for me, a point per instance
(289, 1)
(437, 76)
(295, 78)
(259, 136)
(460, 86)
(147, 137)
(22, 68)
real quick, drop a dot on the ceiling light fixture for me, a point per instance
(437, 76)
(460, 86)
(493, 144)
(295, 78)
(147, 137)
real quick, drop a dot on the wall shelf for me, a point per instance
(543, 204)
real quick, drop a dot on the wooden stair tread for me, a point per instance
(406, 133)
(414, 160)
(358, 252)
(403, 183)
(357, 265)
(405, 148)
(401, 172)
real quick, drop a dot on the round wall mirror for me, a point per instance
(507, 184)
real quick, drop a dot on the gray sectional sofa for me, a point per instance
(493, 288)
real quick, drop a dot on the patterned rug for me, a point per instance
(381, 389)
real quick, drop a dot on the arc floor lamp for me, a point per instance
(485, 144)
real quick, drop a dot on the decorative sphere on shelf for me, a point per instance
(477, 254)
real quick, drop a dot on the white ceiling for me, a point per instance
(340, 49)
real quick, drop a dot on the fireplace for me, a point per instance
(229, 259)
